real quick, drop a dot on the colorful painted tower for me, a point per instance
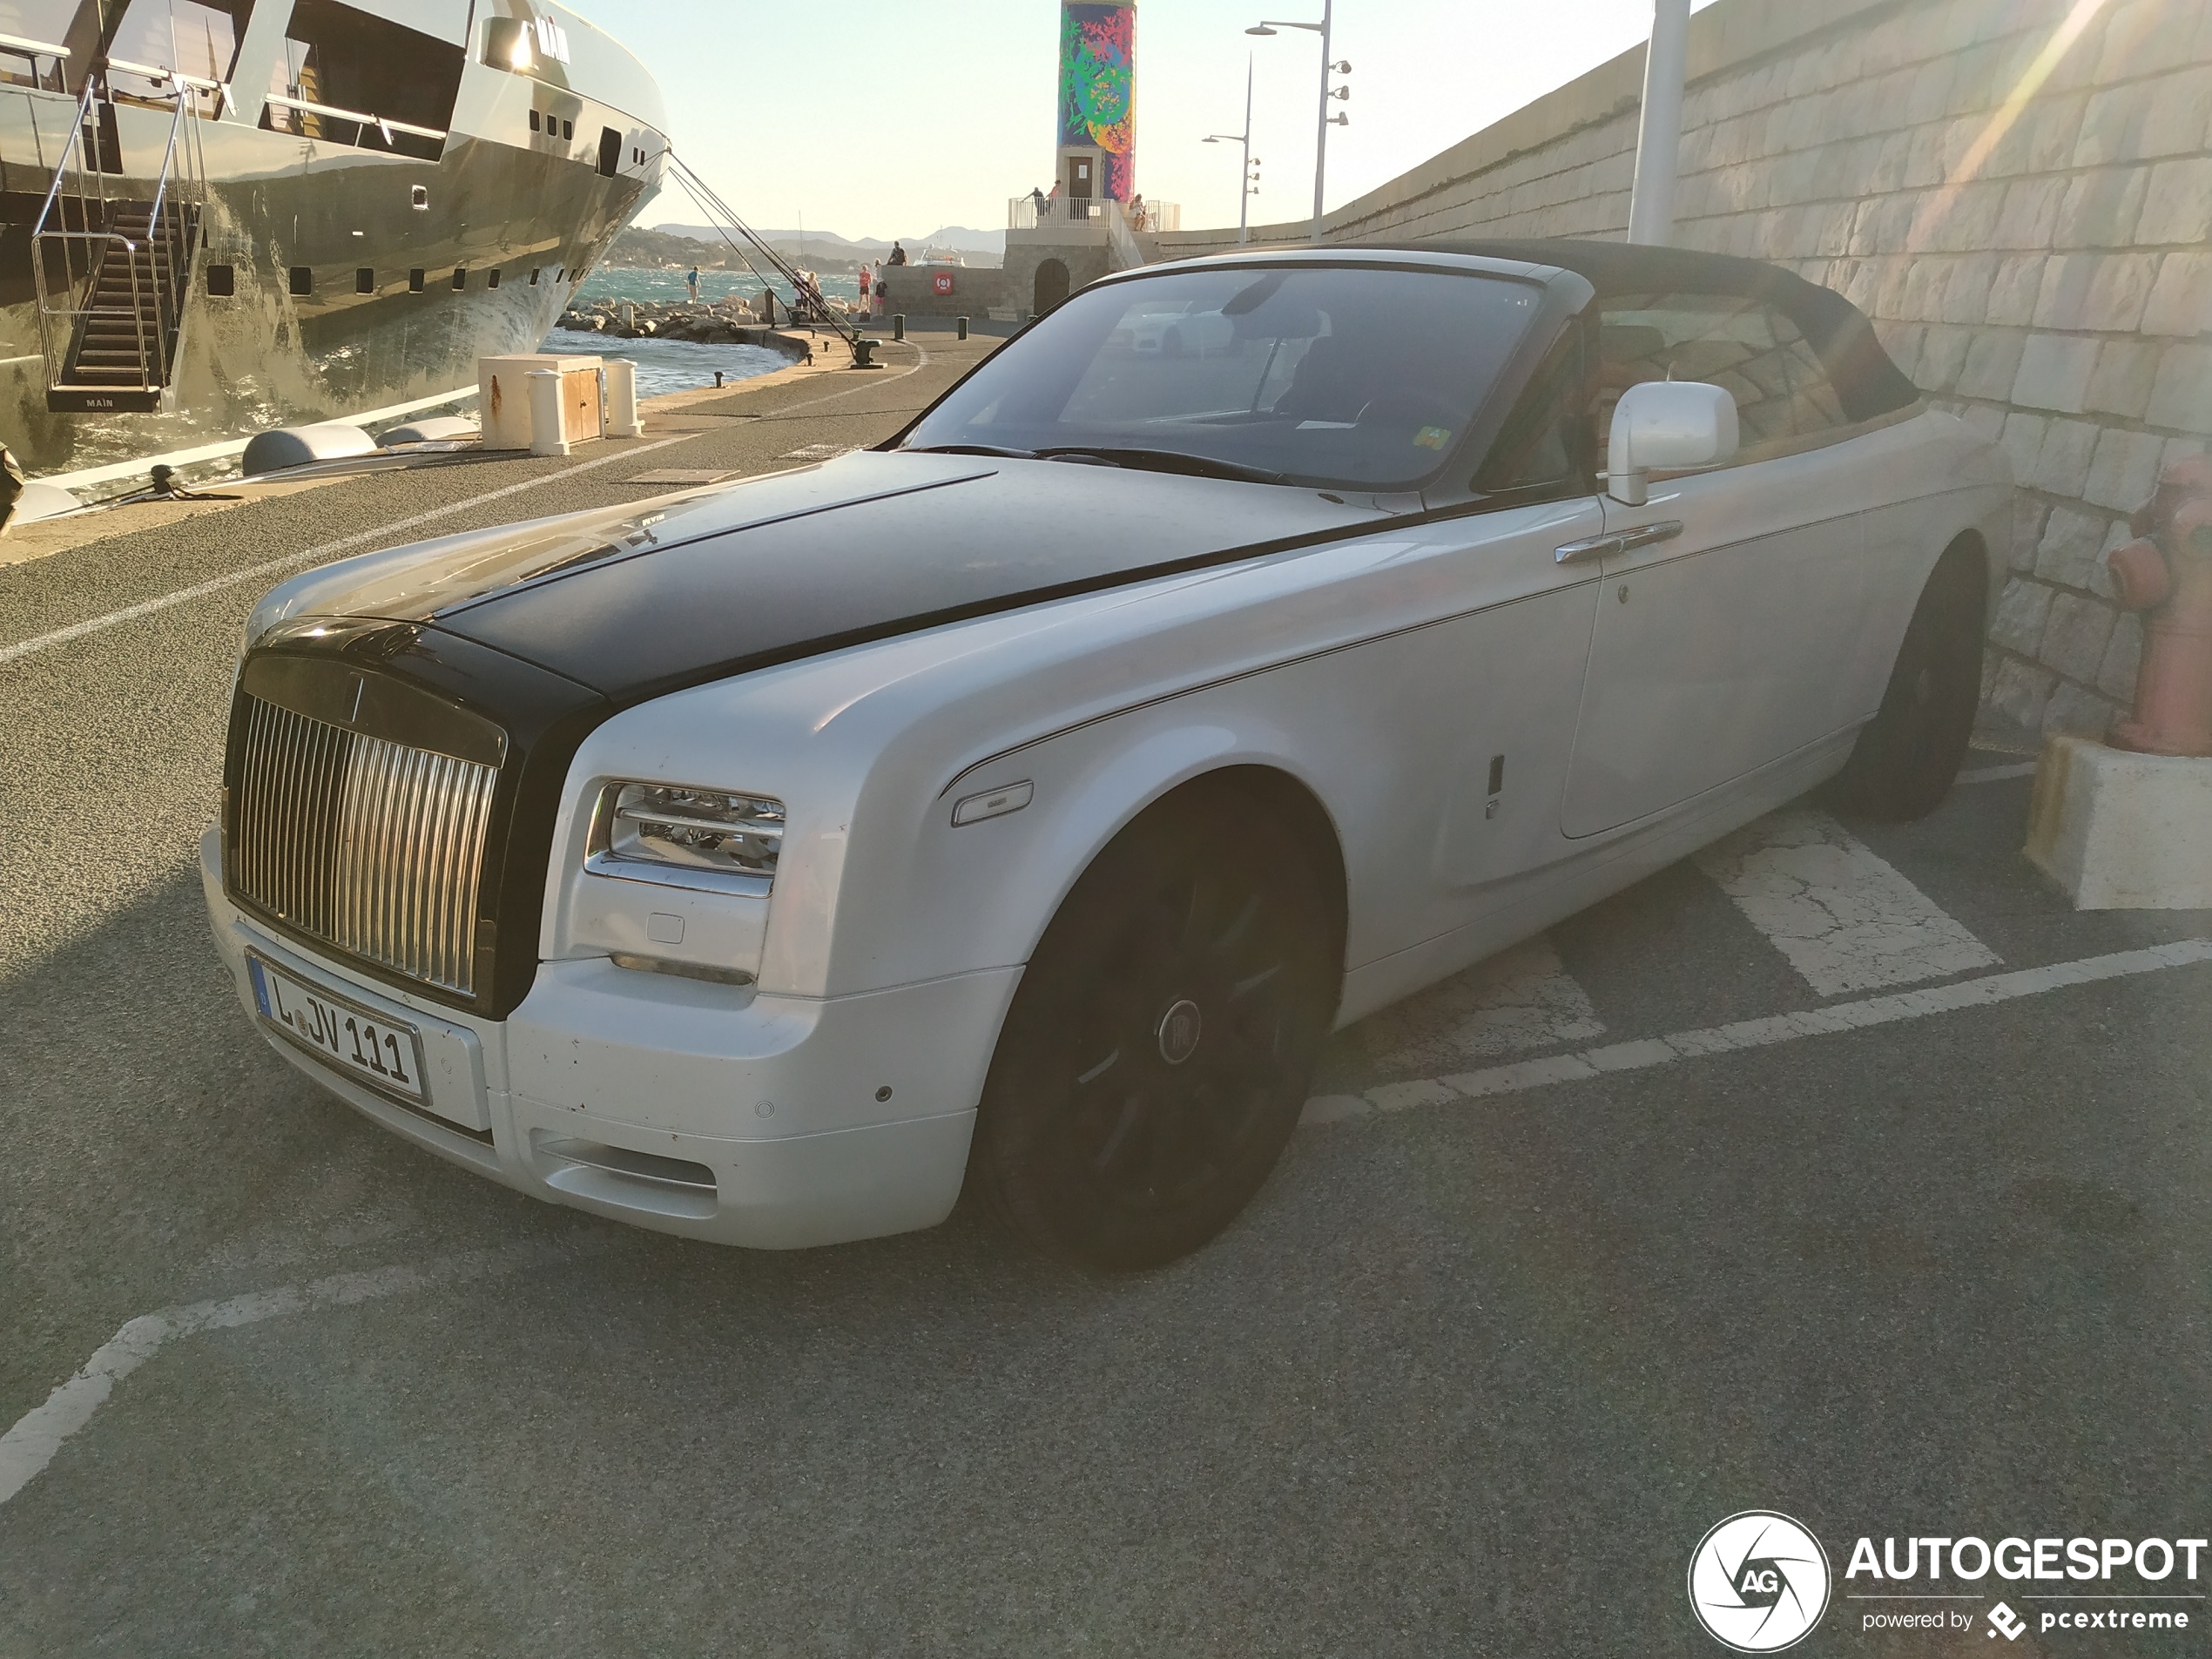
(1097, 100)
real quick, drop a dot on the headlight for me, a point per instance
(686, 837)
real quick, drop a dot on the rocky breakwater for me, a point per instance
(725, 324)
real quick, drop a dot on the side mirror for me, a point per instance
(1674, 424)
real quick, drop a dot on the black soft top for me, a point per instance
(1867, 381)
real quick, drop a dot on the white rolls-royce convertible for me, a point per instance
(1017, 805)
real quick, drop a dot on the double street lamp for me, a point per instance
(1321, 136)
(1250, 186)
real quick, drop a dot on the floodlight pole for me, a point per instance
(1244, 177)
(1651, 202)
(1268, 26)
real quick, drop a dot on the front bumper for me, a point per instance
(677, 1105)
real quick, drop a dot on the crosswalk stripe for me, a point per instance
(1842, 917)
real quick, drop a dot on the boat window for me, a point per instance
(222, 281)
(492, 281)
(1362, 376)
(533, 120)
(365, 280)
(303, 280)
(460, 278)
(610, 151)
(195, 39)
(368, 80)
(417, 279)
(30, 24)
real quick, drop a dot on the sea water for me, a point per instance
(679, 365)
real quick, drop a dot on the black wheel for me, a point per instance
(1907, 755)
(1156, 1057)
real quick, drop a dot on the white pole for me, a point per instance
(1244, 178)
(1651, 203)
(1321, 133)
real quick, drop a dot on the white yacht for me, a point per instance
(222, 215)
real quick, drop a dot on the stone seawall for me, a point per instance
(2021, 201)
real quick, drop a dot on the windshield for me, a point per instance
(1361, 376)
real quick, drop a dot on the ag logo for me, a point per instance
(2007, 1622)
(1759, 1581)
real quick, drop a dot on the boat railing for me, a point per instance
(94, 229)
(297, 111)
(13, 47)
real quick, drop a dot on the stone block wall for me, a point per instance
(2018, 191)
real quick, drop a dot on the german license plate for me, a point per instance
(384, 1053)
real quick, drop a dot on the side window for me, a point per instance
(1782, 390)
(1542, 440)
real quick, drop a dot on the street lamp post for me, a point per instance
(1321, 136)
(1245, 188)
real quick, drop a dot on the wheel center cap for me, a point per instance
(1178, 1034)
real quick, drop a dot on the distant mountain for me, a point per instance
(830, 245)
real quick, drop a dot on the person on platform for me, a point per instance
(1137, 212)
(1038, 202)
(1052, 202)
(692, 282)
(898, 254)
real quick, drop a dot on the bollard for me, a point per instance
(899, 327)
(864, 352)
(620, 398)
(2166, 574)
(962, 323)
(718, 380)
(547, 437)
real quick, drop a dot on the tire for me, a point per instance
(1908, 754)
(1156, 1054)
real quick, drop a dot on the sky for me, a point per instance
(893, 117)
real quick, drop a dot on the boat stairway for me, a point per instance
(125, 341)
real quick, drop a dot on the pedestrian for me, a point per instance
(1037, 202)
(1137, 212)
(864, 287)
(692, 283)
(898, 254)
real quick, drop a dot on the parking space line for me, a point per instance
(1757, 1033)
(30, 1444)
(1845, 918)
(1519, 1000)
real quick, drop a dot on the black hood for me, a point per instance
(638, 602)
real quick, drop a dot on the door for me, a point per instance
(1079, 177)
(1732, 613)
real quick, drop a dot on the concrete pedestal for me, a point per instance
(2121, 831)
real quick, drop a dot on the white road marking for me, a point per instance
(1845, 919)
(363, 538)
(1519, 1000)
(1996, 774)
(30, 1444)
(1757, 1033)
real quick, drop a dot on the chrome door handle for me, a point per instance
(1595, 547)
(1644, 535)
(1600, 547)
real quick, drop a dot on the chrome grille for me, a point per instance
(374, 847)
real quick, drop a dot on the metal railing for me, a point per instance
(89, 220)
(296, 108)
(32, 50)
(1033, 213)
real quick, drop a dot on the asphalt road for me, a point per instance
(1474, 1375)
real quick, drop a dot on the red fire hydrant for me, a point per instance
(2167, 572)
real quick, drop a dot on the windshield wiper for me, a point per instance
(971, 449)
(1167, 461)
